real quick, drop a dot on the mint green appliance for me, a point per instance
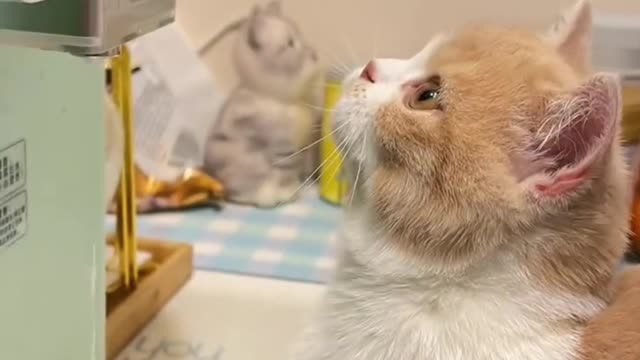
(52, 154)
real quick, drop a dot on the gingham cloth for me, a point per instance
(294, 242)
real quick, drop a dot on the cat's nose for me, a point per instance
(369, 72)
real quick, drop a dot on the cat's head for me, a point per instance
(489, 136)
(272, 56)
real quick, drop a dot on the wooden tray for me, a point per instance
(129, 311)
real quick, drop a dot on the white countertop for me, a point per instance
(228, 317)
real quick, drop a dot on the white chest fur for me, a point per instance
(492, 313)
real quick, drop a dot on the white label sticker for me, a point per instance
(13, 168)
(13, 219)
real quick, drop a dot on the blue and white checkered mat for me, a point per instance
(294, 242)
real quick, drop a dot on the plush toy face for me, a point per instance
(272, 56)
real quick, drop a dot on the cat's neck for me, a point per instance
(366, 262)
(364, 245)
(533, 260)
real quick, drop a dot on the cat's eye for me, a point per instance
(426, 97)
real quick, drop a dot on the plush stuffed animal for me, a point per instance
(255, 146)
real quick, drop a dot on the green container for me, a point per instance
(52, 237)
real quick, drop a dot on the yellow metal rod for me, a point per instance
(121, 219)
(126, 209)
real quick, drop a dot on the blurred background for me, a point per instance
(352, 31)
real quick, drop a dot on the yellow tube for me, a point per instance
(126, 212)
(631, 113)
(332, 187)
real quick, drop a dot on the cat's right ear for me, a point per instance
(571, 36)
(578, 131)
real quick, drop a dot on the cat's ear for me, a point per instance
(578, 130)
(273, 7)
(571, 35)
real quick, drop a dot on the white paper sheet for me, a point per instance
(175, 103)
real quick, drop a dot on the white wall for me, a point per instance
(352, 31)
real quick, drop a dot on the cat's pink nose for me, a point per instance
(369, 72)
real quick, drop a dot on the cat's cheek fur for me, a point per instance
(404, 140)
(355, 118)
(357, 115)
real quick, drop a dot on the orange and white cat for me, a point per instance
(490, 206)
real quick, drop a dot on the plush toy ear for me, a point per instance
(255, 11)
(577, 131)
(571, 36)
(274, 7)
(252, 26)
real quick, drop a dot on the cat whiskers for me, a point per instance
(323, 85)
(277, 162)
(332, 157)
(341, 70)
(339, 65)
(344, 153)
(315, 107)
(355, 182)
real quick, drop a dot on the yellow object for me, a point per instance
(126, 243)
(193, 188)
(332, 187)
(631, 113)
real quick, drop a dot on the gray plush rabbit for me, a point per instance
(254, 146)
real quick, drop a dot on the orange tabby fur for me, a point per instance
(615, 333)
(488, 222)
(485, 103)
